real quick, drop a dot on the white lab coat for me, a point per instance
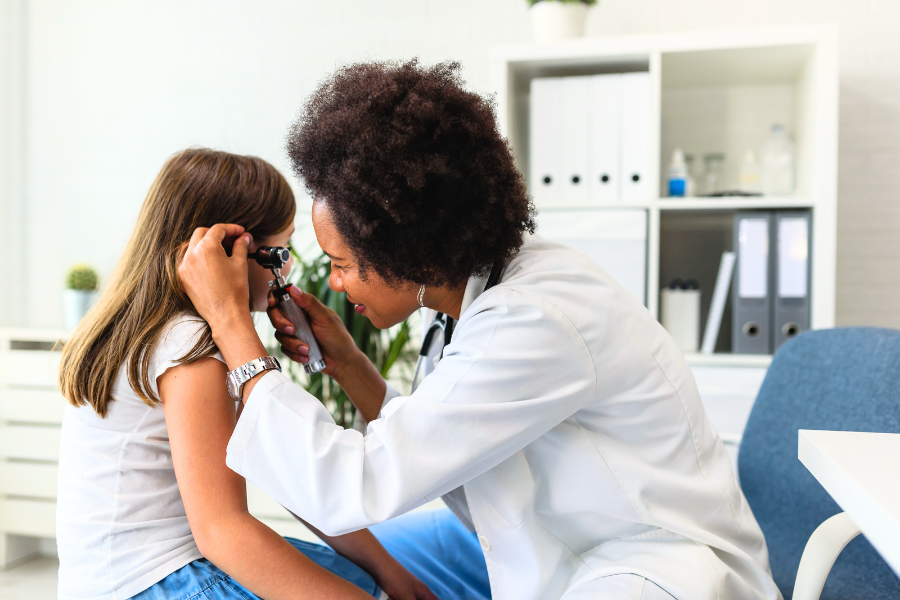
(572, 419)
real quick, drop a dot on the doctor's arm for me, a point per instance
(510, 375)
(345, 363)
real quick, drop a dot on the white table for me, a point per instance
(861, 471)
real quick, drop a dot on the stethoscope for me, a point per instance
(442, 325)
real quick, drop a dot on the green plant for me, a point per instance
(385, 348)
(82, 277)
(588, 2)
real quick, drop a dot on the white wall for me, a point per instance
(113, 87)
(12, 211)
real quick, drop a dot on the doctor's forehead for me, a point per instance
(330, 240)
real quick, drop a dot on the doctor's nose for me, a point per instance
(335, 281)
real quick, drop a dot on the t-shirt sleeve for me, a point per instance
(176, 341)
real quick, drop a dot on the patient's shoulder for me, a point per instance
(176, 342)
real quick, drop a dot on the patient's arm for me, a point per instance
(200, 418)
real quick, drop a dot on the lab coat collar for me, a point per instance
(474, 288)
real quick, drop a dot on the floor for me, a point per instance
(35, 580)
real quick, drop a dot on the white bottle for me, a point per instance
(678, 175)
(748, 180)
(690, 190)
(778, 164)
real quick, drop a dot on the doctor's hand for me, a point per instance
(335, 341)
(216, 283)
(400, 584)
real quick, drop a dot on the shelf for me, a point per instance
(729, 360)
(733, 203)
(695, 204)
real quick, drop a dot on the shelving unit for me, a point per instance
(710, 92)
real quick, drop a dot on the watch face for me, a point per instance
(234, 389)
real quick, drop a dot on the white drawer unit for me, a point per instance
(31, 410)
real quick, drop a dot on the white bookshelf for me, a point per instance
(713, 91)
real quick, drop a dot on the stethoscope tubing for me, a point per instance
(442, 323)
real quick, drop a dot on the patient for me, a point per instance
(147, 508)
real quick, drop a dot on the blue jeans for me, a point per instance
(437, 549)
(203, 580)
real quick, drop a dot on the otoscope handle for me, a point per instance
(302, 331)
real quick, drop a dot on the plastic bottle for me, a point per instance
(748, 180)
(778, 164)
(678, 175)
(690, 190)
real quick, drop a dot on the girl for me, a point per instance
(147, 508)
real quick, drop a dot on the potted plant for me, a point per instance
(82, 283)
(554, 20)
(387, 349)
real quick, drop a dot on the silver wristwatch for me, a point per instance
(236, 379)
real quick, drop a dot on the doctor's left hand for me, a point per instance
(216, 283)
(400, 584)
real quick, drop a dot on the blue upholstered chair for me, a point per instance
(834, 379)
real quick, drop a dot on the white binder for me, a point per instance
(614, 239)
(576, 131)
(605, 99)
(717, 304)
(545, 145)
(635, 131)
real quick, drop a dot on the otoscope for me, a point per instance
(274, 257)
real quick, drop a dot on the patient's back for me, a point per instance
(121, 524)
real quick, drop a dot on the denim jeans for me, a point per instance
(437, 549)
(203, 580)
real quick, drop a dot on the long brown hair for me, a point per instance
(195, 188)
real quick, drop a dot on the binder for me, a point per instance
(635, 136)
(545, 144)
(614, 239)
(751, 307)
(605, 103)
(717, 305)
(576, 116)
(790, 250)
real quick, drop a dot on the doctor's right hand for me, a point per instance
(335, 341)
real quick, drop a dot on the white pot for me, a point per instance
(75, 305)
(553, 21)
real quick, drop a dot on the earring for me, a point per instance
(421, 296)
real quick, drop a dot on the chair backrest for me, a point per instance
(833, 379)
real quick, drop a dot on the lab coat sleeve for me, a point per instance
(390, 392)
(515, 369)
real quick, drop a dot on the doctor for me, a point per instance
(562, 409)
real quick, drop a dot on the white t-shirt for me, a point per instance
(120, 521)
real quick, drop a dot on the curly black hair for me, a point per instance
(420, 183)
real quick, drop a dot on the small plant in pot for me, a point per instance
(82, 283)
(554, 20)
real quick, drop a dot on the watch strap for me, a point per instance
(237, 378)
